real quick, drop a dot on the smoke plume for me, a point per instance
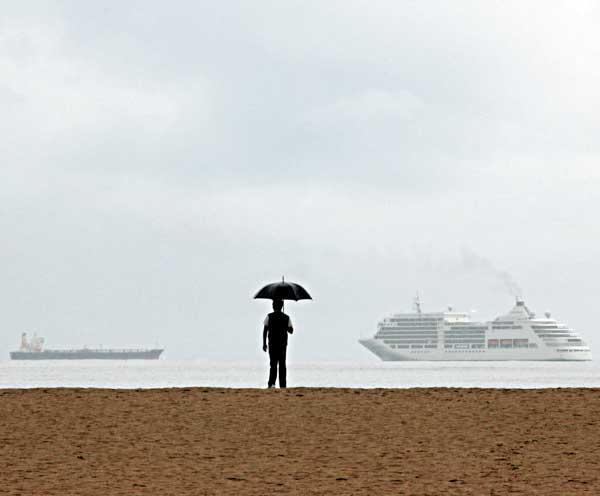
(472, 262)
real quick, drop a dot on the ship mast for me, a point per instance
(417, 304)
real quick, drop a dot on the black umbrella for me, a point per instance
(283, 291)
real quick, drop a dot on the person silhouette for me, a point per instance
(277, 325)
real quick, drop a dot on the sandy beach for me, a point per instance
(299, 441)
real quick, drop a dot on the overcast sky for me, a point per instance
(161, 161)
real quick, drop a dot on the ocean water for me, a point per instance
(164, 373)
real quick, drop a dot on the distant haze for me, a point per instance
(160, 162)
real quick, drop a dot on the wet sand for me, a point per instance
(299, 441)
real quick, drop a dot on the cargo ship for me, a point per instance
(34, 350)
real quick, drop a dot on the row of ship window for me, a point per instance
(468, 328)
(409, 327)
(430, 336)
(434, 341)
(406, 332)
(492, 343)
(429, 332)
(423, 319)
(463, 347)
(464, 351)
(508, 343)
(562, 335)
(452, 328)
(419, 339)
(413, 346)
(464, 333)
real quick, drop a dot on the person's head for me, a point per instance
(277, 305)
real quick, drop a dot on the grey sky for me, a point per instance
(160, 162)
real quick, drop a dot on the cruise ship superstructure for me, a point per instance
(451, 335)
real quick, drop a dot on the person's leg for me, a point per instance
(282, 368)
(273, 358)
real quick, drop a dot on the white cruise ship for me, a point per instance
(451, 335)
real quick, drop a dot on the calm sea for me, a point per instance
(164, 373)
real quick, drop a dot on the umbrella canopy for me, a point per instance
(283, 291)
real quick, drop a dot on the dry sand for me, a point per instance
(299, 441)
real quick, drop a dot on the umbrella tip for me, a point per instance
(282, 279)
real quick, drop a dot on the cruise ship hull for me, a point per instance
(87, 354)
(390, 355)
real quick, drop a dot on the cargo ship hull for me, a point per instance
(87, 354)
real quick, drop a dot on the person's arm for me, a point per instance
(265, 331)
(290, 328)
